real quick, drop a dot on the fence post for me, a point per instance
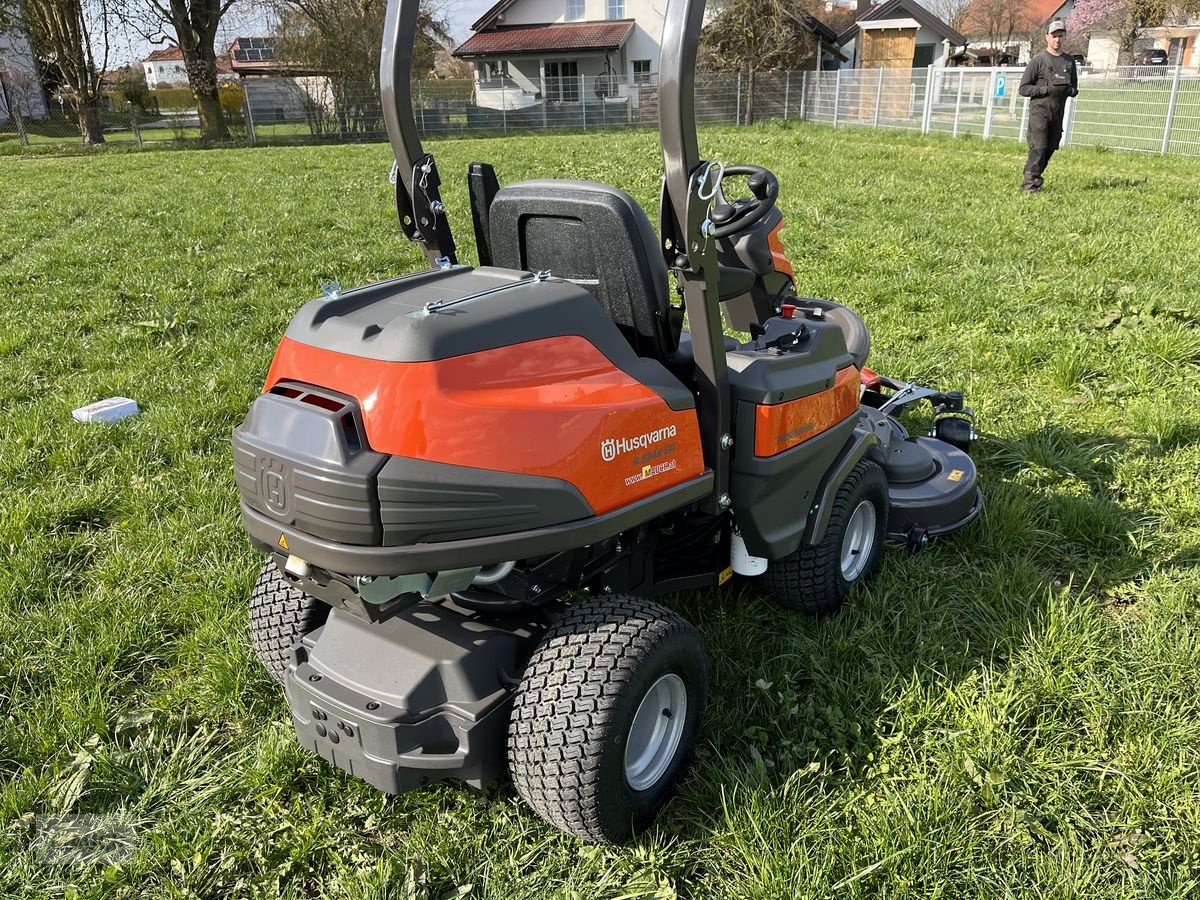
(787, 87)
(878, 97)
(545, 103)
(927, 111)
(133, 122)
(738, 114)
(583, 100)
(1024, 120)
(1068, 121)
(803, 96)
(1171, 105)
(958, 99)
(837, 96)
(250, 136)
(504, 106)
(991, 102)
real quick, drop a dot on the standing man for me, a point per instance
(1049, 80)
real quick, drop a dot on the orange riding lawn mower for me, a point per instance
(472, 481)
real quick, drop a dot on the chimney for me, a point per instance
(863, 6)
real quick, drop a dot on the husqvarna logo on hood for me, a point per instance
(611, 448)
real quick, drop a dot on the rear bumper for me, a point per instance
(420, 697)
(273, 537)
(384, 750)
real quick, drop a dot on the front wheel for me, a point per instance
(606, 716)
(816, 578)
(280, 616)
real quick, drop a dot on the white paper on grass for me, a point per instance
(114, 409)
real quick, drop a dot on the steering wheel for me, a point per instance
(744, 213)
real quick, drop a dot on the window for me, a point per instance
(616, 9)
(641, 71)
(562, 81)
(574, 10)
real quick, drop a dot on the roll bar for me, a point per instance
(677, 103)
(686, 231)
(418, 199)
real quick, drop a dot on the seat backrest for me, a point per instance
(597, 237)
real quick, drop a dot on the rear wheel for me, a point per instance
(280, 615)
(816, 578)
(607, 715)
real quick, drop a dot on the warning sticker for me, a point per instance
(955, 475)
(283, 541)
(725, 575)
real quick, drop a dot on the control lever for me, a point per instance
(758, 185)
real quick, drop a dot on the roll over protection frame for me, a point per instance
(418, 200)
(686, 231)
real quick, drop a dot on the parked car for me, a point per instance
(1155, 57)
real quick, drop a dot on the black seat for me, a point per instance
(597, 237)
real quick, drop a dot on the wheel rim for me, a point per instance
(859, 540)
(655, 733)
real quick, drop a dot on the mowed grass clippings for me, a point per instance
(1014, 712)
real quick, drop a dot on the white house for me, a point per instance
(1179, 40)
(164, 68)
(563, 51)
(20, 81)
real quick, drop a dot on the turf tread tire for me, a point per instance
(574, 705)
(280, 615)
(810, 578)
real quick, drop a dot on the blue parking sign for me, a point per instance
(1001, 80)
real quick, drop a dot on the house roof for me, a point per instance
(489, 18)
(819, 28)
(904, 9)
(608, 35)
(248, 55)
(164, 55)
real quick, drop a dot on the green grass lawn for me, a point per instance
(1014, 712)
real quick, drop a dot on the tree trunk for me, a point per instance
(212, 117)
(202, 78)
(749, 99)
(90, 127)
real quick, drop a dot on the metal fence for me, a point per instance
(1144, 108)
(121, 123)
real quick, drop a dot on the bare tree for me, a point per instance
(74, 36)
(758, 36)
(190, 25)
(341, 39)
(952, 12)
(1000, 23)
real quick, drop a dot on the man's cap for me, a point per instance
(1056, 25)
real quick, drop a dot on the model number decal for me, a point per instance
(650, 456)
(611, 448)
